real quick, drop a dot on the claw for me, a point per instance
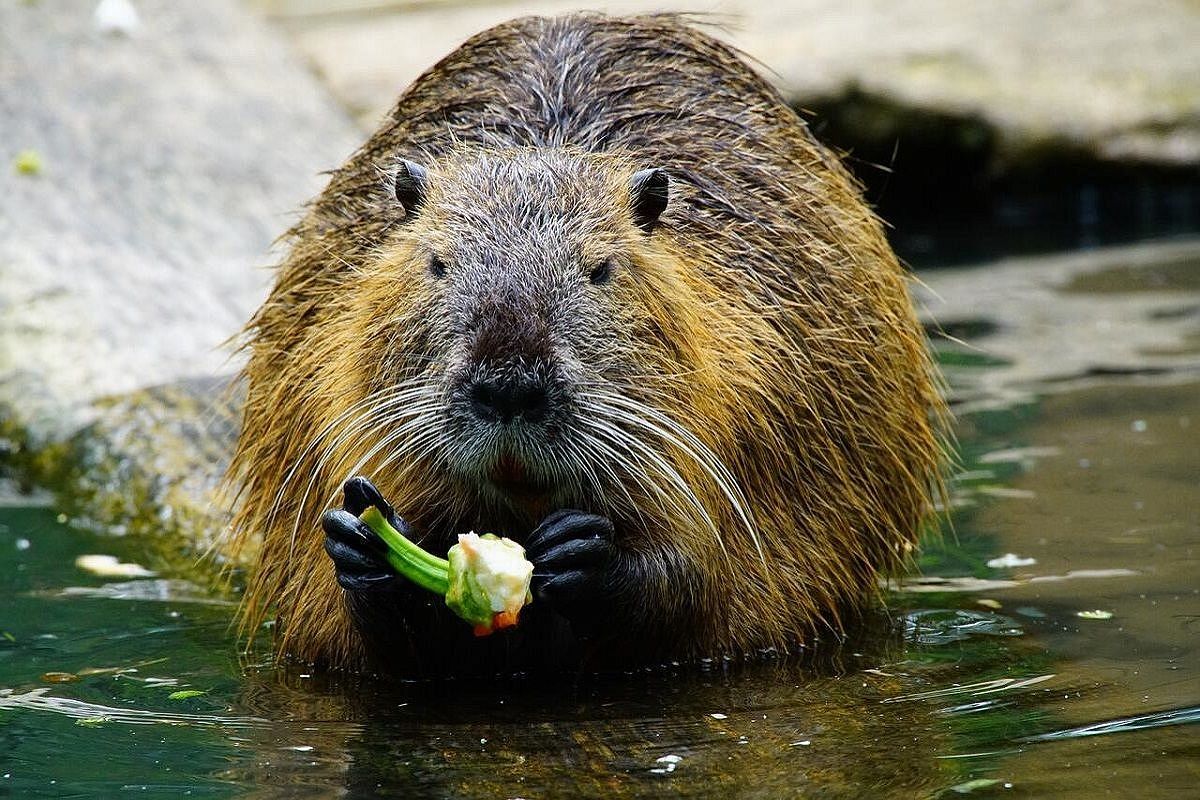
(357, 553)
(343, 526)
(576, 553)
(564, 526)
(359, 494)
(578, 568)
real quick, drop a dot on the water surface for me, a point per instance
(1072, 672)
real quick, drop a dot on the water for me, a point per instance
(1075, 672)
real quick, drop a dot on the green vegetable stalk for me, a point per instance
(419, 566)
(485, 579)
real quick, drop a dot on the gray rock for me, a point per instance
(170, 160)
(1114, 79)
(172, 153)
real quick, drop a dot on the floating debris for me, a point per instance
(186, 694)
(111, 567)
(59, 677)
(1095, 613)
(1009, 560)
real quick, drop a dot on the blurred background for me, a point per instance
(1068, 123)
(1038, 165)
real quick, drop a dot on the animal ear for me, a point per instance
(648, 190)
(409, 186)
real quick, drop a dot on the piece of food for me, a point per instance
(485, 579)
(489, 581)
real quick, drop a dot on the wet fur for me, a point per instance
(767, 314)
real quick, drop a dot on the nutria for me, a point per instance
(593, 286)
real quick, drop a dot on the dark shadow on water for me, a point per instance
(954, 192)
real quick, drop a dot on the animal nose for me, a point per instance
(504, 401)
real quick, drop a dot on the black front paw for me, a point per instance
(577, 567)
(359, 555)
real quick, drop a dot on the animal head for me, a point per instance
(530, 318)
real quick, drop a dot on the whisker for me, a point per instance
(654, 421)
(702, 453)
(353, 431)
(612, 437)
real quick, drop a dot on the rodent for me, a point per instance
(592, 285)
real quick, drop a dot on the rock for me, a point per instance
(1117, 80)
(169, 159)
(169, 163)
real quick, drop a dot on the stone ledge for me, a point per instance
(171, 159)
(1117, 80)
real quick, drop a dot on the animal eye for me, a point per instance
(437, 267)
(602, 272)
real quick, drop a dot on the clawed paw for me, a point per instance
(576, 564)
(359, 555)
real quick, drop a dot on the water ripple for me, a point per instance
(39, 700)
(1161, 719)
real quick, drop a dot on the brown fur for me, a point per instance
(767, 314)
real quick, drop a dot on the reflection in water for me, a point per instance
(93, 713)
(1179, 716)
(942, 625)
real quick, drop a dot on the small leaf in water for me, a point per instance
(1094, 614)
(91, 722)
(970, 786)
(186, 694)
(8, 636)
(59, 677)
(987, 602)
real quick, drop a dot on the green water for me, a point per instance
(1077, 675)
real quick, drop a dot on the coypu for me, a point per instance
(593, 286)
